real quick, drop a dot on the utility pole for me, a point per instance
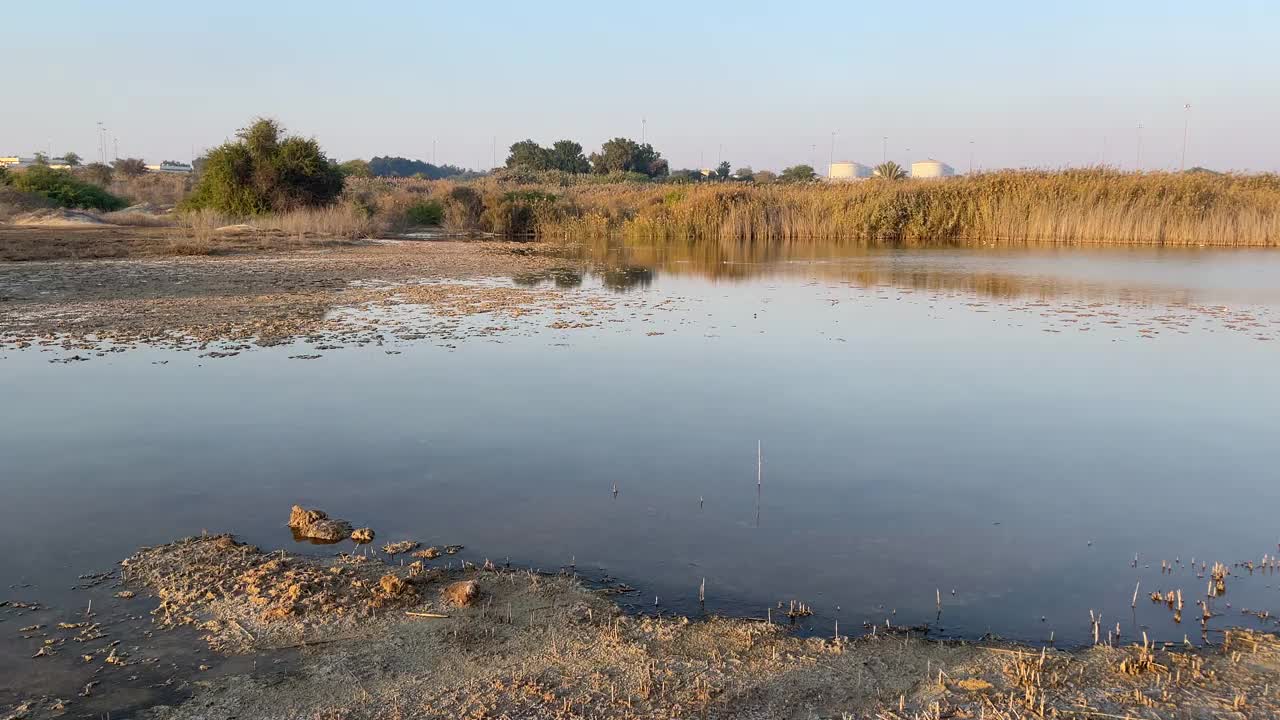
(831, 158)
(1137, 164)
(643, 128)
(813, 155)
(433, 151)
(884, 149)
(1186, 127)
(116, 146)
(970, 157)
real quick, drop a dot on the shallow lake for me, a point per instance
(1003, 428)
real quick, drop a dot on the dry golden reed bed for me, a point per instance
(1095, 206)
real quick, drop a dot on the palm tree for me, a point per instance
(889, 171)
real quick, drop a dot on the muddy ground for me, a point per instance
(358, 635)
(266, 292)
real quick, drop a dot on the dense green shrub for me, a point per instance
(264, 172)
(65, 189)
(429, 212)
(355, 168)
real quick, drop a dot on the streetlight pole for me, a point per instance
(970, 157)
(831, 159)
(1186, 127)
(1137, 165)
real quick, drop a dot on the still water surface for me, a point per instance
(1005, 427)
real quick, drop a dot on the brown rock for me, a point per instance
(301, 518)
(329, 530)
(461, 593)
(316, 525)
(362, 535)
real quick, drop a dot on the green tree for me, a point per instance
(529, 155)
(764, 176)
(798, 173)
(404, 167)
(264, 170)
(41, 158)
(621, 155)
(723, 170)
(567, 155)
(130, 167)
(744, 174)
(355, 168)
(71, 159)
(889, 171)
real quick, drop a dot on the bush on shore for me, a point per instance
(63, 189)
(265, 171)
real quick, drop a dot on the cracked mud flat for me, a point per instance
(350, 636)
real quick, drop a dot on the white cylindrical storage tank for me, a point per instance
(931, 169)
(848, 171)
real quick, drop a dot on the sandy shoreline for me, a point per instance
(350, 635)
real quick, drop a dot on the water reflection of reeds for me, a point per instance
(937, 268)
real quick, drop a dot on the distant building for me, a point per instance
(15, 161)
(848, 171)
(931, 169)
(170, 167)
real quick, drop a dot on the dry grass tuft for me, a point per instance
(135, 218)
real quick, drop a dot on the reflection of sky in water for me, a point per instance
(914, 441)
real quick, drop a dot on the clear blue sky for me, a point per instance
(1029, 83)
